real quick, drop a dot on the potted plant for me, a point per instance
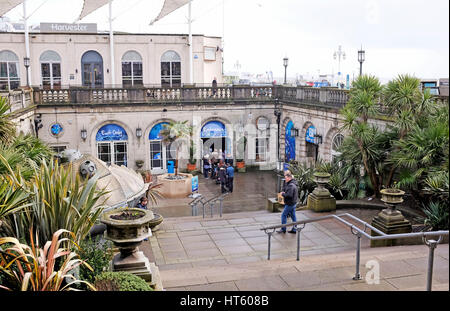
(192, 161)
(240, 163)
(174, 131)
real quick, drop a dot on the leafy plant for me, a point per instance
(59, 201)
(7, 127)
(97, 255)
(120, 281)
(37, 266)
(437, 215)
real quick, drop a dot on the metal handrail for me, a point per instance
(212, 201)
(432, 244)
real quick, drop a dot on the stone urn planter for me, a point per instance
(321, 200)
(390, 220)
(155, 222)
(127, 228)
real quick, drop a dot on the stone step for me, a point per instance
(395, 262)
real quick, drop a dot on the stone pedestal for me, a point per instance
(273, 205)
(321, 200)
(319, 204)
(136, 263)
(390, 222)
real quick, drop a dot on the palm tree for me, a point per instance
(173, 133)
(406, 102)
(362, 105)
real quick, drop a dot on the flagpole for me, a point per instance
(191, 73)
(111, 46)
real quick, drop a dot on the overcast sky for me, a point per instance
(399, 36)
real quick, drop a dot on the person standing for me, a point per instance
(290, 196)
(214, 86)
(206, 166)
(222, 177)
(230, 177)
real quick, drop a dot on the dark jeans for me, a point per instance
(289, 210)
(205, 172)
(230, 184)
(223, 183)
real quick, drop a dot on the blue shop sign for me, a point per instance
(310, 133)
(213, 129)
(111, 132)
(56, 129)
(155, 132)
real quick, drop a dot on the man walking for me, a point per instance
(230, 177)
(222, 174)
(290, 195)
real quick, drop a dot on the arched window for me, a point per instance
(92, 69)
(171, 69)
(132, 69)
(50, 69)
(337, 141)
(9, 71)
(112, 144)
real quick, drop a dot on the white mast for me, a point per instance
(27, 40)
(191, 73)
(111, 46)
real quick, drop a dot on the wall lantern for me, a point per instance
(318, 139)
(83, 134)
(138, 132)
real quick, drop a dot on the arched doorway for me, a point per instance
(112, 144)
(214, 138)
(160, 153)
(289, 143)
(92, 69)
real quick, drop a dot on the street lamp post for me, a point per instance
(26, 63)
(337, 55)
(361, 59)
(285, 64)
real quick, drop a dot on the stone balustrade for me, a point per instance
(331, 97)
(18, 99)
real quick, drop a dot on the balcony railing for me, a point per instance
(18, 99)
(330, 97)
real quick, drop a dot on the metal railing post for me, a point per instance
(220, 207)
(211, 206)
(358, 253)
(432, 244)
(299, 230)
(203, 207)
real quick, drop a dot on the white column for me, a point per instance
(111, 46)
(191, 72)
(27, 40)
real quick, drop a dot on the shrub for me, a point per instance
(98, 255)
(437, 216)
(120, 281)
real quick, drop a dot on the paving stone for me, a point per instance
(220, 286)
(252, 233)
(228, 250)
(174, 266)
(225, 236)
(171, 247)
(362, 286)
(209, 263)
(220, 230)
(174, 255)
(191, 233)
(403, 283)
(244, 259)
(270, 283)
(231, 242)
(195, 238)
(214, 223)
(203, 253)
(168, 241)
(256, 240)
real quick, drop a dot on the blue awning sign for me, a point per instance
(155, 132)
(111, 132)
(213, 129)
(310, 134)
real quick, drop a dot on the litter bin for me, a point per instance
(170, 167)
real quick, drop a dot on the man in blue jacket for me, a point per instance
(290, 195)
(230, 177)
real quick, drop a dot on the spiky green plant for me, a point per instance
(61, 200)
(37, 266)
(7, 127)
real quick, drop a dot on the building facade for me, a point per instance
(59, 60)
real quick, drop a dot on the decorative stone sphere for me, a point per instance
(88, 169)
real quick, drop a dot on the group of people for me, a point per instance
(217, 166)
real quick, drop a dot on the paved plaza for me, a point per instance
(230, 252)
